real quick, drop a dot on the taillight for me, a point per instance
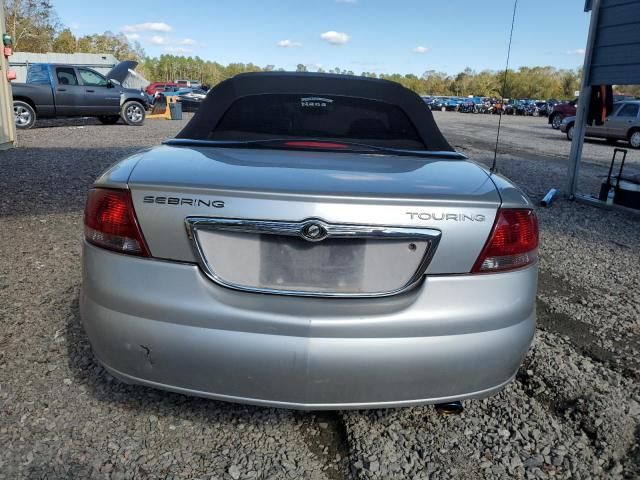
(513, 242)
(110, 222)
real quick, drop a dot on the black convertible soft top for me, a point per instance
(223, 95)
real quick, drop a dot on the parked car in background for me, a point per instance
(438, 103)
(560, 112)
(622, 124)
(69, 91)
(465, 106)
(618, 97)
(547, 107)
(471, 105)
(338, 253)
(530, 108)
(452, 104)
(515, 107)
(494, 106)
(427, 99)
(173, 89)
(192, 92)
(188, 83)
(155, 87)
(189, 98)
(542, 108)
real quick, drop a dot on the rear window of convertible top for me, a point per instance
(285, 116)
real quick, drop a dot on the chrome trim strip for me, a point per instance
(296, 229)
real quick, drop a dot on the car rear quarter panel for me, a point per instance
(38, 95)
(510, 195)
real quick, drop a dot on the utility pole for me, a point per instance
(575, 154)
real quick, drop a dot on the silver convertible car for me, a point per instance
(310, 241)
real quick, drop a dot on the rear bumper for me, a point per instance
(165, 325)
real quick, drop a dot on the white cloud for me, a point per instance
(577, 51)
(187, 41)
(147, 27)
(159, 40)
(335, 38)
(74, 26)
(132, 36)
(420, 49)
(288, 44)
(178, 50)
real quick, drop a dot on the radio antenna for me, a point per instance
(504, 87)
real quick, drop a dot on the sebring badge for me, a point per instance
(314, 232)
(193, 202)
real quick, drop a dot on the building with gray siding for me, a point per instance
(100, 62)
(615, 58)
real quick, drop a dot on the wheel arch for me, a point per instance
(134, 99)
(631, 131)
(570, 125)
(26, 100)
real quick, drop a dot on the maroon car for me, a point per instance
(154, 87)
(560, 111)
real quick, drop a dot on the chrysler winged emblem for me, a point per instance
(313, 232)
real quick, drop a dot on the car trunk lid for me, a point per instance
(316, 174)
(443, 209)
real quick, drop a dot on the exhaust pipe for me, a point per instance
(548, 198)
(449, 408)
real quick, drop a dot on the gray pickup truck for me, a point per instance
(73, 91)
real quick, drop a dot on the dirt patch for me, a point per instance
(326, 437)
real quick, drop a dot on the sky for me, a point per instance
(381, 36)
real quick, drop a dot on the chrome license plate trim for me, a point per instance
(298, 229)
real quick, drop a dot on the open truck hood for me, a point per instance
(121, 70)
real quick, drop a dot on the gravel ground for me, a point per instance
(573, 411)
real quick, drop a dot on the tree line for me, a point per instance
(525, 82)
(35, 27)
